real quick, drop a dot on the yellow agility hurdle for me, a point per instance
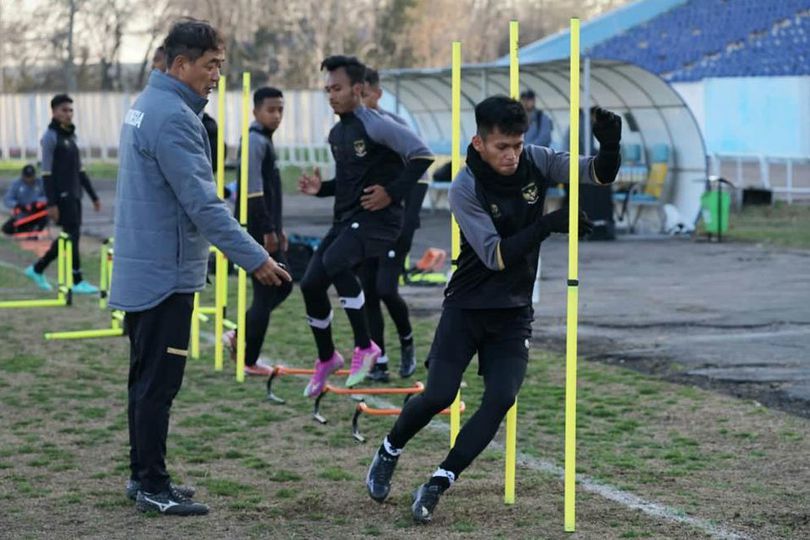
(64, 296)
(116, 328)
(201, 313)
(241, 284)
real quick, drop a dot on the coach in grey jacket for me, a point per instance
(166, 212)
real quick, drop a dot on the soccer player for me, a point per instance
(380, 275)
(65, 181)
(497, 200)
(264, 224)
(377, 163)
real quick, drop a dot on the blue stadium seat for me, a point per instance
(691, 41)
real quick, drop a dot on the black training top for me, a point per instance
(62, 169)
(370, 148)
(492, 209)
(264, 183)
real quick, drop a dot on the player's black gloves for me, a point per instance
(607, 128)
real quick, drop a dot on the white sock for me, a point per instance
(383, 359)
(390, 448)
(445, 474)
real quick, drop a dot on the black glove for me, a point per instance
(557, 221)
(607, 128)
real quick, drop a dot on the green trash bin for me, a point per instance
(715, 205)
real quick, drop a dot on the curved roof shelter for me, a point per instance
(655, 115)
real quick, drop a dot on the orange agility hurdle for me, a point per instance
(278, 371)
(407, 391)
(363, 408)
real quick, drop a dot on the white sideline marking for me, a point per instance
(606, 491)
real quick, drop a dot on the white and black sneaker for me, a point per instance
(169, 502)
(425, 499)
(378, 478)
(134, 486)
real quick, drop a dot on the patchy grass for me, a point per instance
(97, 170)
(270, 471)
(781, 224)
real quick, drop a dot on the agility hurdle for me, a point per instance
(116, 328)
(363, 408)
(64, 288)
(218, 310)
(416, 388)
(278, 371)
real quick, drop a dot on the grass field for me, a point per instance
(97, 170)
(781, 224)
(270, 471)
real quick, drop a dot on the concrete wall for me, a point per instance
(752, 115)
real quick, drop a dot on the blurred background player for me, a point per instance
(64, 180)
(540, 124)
(380, 275)
(377, 163)
(264, 209)
(26, 199)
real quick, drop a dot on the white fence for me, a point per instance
(787, 177)
(98, 117)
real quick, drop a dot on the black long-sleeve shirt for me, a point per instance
(372, 149)
(62, 170)
(500, 239)
(264, 183)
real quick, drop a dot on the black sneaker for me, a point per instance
(407, 362)
(170, 503)
(425, 499)
(379, 373)
(134, 486)
(378, 478)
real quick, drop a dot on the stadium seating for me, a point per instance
(718, 38)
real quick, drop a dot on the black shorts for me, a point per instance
(366, 235)
(491, 333)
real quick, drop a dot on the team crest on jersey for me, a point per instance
(495, 211)
(530, 193)
(360, 148)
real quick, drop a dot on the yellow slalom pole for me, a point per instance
(241, 304)
(455, 235)
(221, 270)
(194, 351)
(573, 292)
(511, 416)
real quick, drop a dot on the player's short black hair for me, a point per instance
(265, 92)
(191, 38)
(354, 68)
(527, 94)
(58, 99)
(372, 77)
(503, 113)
